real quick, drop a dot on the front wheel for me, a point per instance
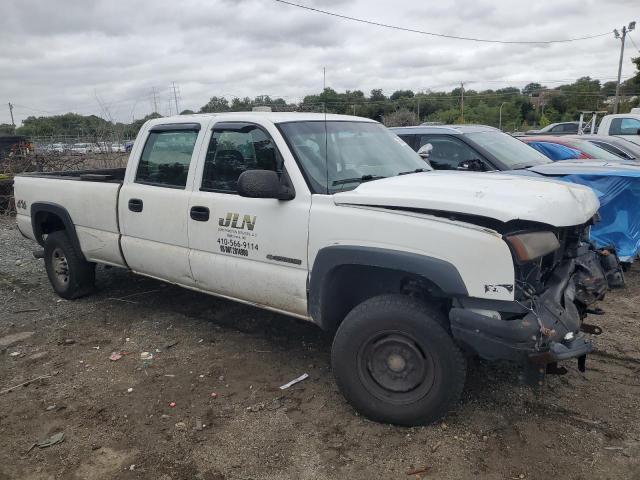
(395, 363)
(70, 275)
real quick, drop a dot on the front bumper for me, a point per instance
(543, 331)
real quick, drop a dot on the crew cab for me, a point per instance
(333, 219)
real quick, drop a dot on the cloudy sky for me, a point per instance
(73, 55)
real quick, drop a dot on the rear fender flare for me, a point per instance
(59, 211)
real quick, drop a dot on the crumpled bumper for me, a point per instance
(546, 330)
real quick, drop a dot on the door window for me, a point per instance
(166, 157)
(613, 149)
(448, 153)
(408, 139)
(625, 126)
(235, 149)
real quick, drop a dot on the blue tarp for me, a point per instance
(555, 151)
(617, 185)
(619, 211)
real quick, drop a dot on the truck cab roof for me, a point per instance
(273, 117)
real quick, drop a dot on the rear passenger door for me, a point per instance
(250, 249)
(154, 204)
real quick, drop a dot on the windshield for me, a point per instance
(592, 150)
(508, 150)
(340, 155)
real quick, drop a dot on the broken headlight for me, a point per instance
(529, 246)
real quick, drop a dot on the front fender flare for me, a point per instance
(440, 272)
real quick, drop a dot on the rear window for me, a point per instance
(625, 126)
(166, 157)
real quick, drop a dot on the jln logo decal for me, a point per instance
(232, 220)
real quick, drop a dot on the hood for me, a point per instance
(497, 196)
(624, 168)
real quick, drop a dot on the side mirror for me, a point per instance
(425, 150)
(263, 184)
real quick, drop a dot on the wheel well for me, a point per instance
(349, 285)
(45, 223)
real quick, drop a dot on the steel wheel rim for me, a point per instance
(394, 368)
(60, 267)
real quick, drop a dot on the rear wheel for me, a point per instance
(395, 363)
(70, 275)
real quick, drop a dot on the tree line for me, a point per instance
(511, 108)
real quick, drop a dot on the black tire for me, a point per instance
(70, 276)
(395, 363)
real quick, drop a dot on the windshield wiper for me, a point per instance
(417, 170)
(362, 179)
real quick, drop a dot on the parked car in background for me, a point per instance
(575, 148)
(56, 148)
(619, 146)
(482, 148)
(81, 148)
(624, 125)
(562, 128)
(118, 147)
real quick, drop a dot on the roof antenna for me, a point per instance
(326, 134)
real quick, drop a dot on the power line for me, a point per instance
(442, 35)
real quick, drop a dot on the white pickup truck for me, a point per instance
(623, 125)
(335, 220)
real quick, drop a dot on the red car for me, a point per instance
(563, 148)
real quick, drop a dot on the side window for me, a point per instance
(448, 152)
(166, 157)
(613, 149)
(234, 149)
(557, 129)
(624, 126)
(408, 139)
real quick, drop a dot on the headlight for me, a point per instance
(529, 246)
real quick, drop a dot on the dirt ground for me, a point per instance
(119, 422)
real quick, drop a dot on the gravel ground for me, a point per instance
(158, 419)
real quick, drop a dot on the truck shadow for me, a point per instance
(282, 332)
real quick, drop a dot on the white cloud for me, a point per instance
(57, 56)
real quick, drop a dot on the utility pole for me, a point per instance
(175, 97)
(11, 112)
(462, 101)
(622, 38)
(500, 120)
(418, 110)
(155, 100)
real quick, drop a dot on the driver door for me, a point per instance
(250, 249)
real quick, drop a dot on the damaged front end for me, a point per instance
(559, 276)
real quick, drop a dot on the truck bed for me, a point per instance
(88, 197)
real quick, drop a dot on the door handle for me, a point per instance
(199, 214)
(135, 205)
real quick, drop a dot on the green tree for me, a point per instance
(7, 129)
(532, 89)
(215, 104)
